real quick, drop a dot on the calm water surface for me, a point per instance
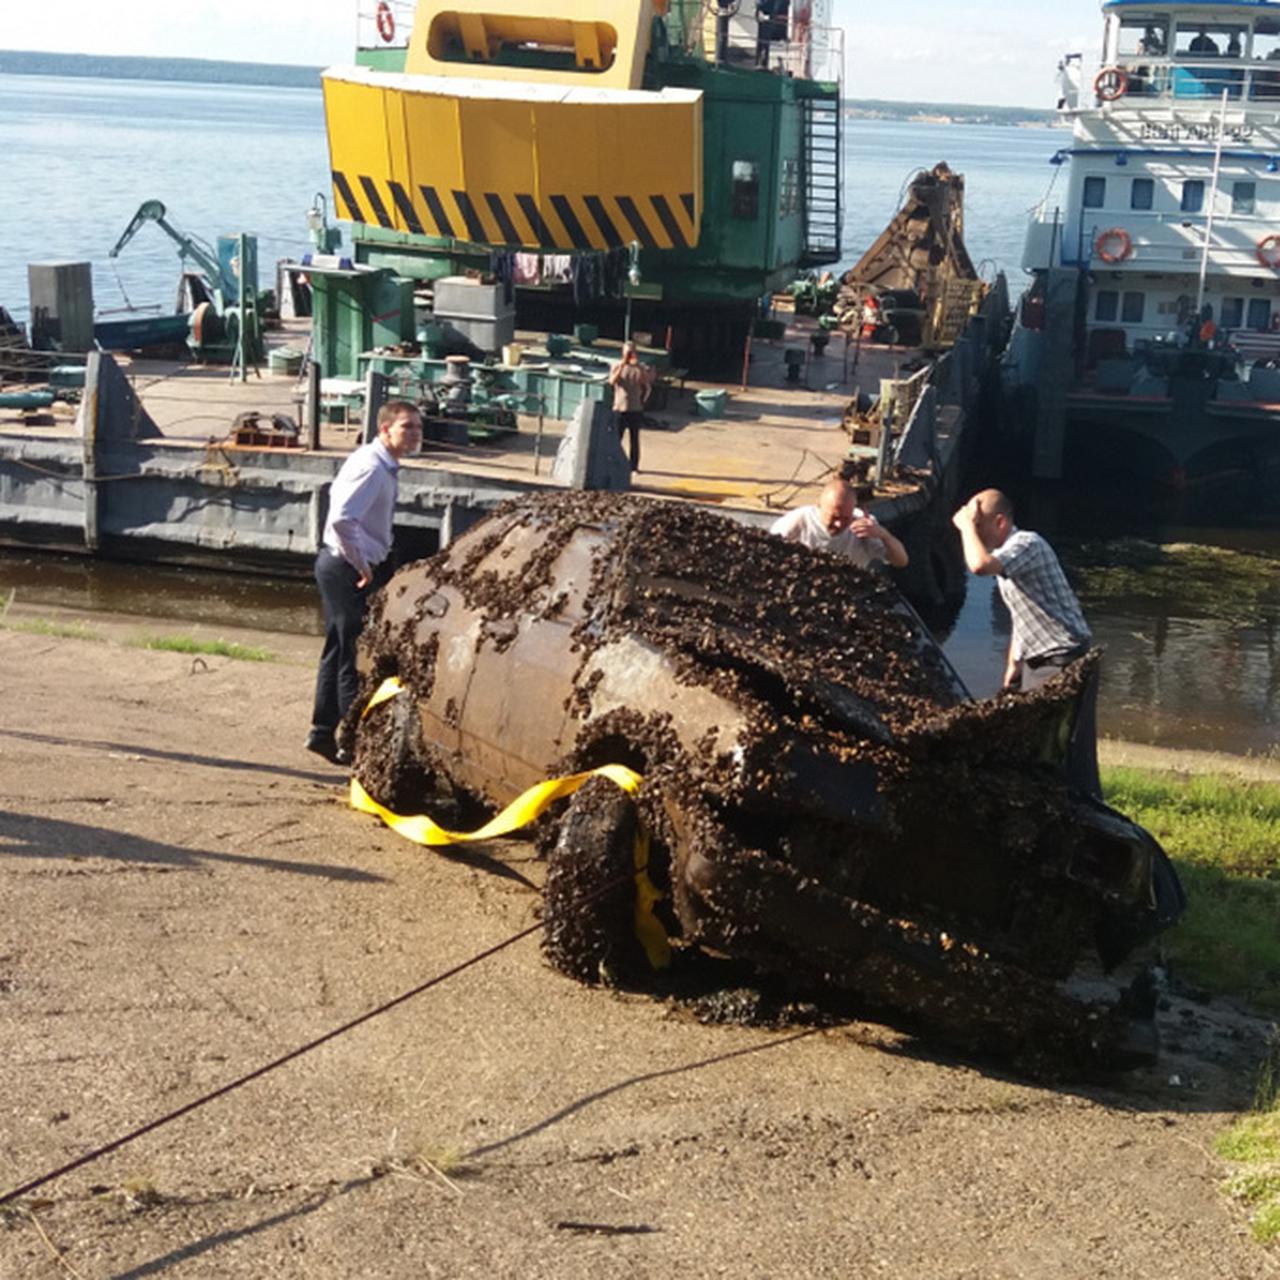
(222, 159)
(1192, 639)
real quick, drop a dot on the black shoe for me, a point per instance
(341, 755)
(321, 741)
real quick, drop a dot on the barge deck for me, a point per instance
(183, 493)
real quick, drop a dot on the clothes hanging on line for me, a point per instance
(528, 268)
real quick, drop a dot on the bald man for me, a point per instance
(835, 523)
(1048, 630)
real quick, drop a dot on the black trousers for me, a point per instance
(629, 422)
(344, 605)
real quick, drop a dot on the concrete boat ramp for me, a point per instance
(145, 467)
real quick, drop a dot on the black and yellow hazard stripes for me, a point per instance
(517, 165)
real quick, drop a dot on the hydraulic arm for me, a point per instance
(188, 246)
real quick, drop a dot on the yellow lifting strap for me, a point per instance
(519, 813)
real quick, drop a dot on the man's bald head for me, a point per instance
(993, 517)
(836, 504)
(994, 502)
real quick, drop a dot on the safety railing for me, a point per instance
(1140, 81)
(1170, 241)
(793, 47)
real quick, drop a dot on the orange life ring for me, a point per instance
(386, 22)
(1111, 83)
(1268, 251)
(1118, 237)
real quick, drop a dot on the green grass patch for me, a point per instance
(1252, 1144)
(210, 648)
(44, 627)
(1224, 837)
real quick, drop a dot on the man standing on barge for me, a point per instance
(1048, 630)
(631, 382)
(354, 562)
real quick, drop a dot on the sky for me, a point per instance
(1001, 51)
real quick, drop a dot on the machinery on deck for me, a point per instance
(657, 163)
(220, 298)
(916, 284)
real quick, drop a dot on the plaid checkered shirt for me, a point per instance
(1046, 614)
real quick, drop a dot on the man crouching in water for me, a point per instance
(1048, 630)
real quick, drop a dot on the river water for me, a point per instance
(1190, 619)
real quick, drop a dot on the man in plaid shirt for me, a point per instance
(1048, 630)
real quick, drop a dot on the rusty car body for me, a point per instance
(826, 800)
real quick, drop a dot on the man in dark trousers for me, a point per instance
(631, 382)
(1048, 630)
(354, 561)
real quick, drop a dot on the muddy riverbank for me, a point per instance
(184, 895)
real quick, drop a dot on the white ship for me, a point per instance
(1144, 355)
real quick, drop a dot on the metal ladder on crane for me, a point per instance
(823, 197)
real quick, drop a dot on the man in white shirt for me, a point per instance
(835, 523)
(353, 562)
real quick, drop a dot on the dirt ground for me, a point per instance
(184, 895)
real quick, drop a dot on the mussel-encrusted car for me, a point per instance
(824, 798)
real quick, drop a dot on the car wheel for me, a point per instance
(589, 899)
(388, 762)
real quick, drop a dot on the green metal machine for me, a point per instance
(768, 145)
(225, 325)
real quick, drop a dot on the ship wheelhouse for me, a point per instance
(1171, 205)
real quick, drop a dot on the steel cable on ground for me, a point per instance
(107, 1148)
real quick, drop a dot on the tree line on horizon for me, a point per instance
(291, 76)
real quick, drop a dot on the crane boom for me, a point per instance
(188, 246)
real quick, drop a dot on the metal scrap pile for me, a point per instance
(917, 280)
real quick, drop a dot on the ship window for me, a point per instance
(1196, 41)
(1232, 312)
(1260, 313)
(1266, 48)
(1106, 304)
(1266, 39)
(1143, 194)
(1243, 197)
(1138, 36)
(1132, 307)
(1095, 192)
(746, 189)
(1193, 195)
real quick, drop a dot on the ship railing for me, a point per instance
(1042, 243)
(797, 49)
(384, 25)
(1139, 81)
(953, 380)
(1172, 241)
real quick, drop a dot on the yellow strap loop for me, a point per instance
(386, 691)
(519, 813)
(649, 929)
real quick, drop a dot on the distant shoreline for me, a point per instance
(185, 70)
(288, 76)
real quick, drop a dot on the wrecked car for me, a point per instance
(824, 799)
